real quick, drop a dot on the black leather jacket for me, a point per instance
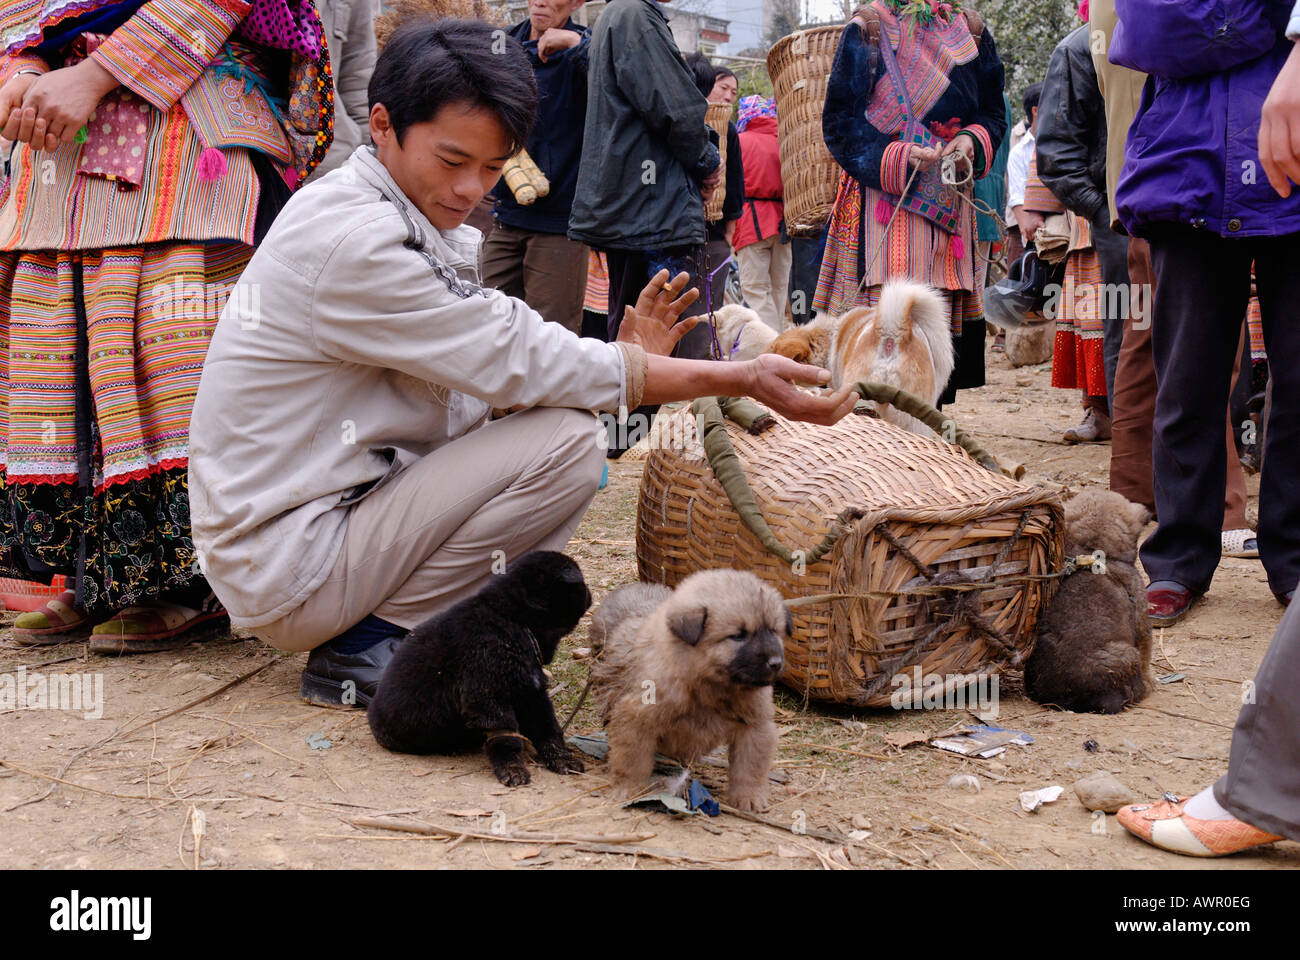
(1071, 131)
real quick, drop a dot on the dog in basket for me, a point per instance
(682, 672)
(905, 341)
(1093, 650)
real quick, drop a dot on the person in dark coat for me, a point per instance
(528, 254)
(648, 160)
(717, 255)
(1071, 148)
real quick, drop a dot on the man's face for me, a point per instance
(447, 164)
(545, 14)
(725, 89)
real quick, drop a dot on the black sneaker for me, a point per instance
(346, 679)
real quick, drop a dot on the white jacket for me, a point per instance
(356, 341)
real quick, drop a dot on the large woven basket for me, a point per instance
(932, 498)
(800, 66)
(718, 115)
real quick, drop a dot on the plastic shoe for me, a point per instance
(56, 622)
(1239, 543)
(1166, 607)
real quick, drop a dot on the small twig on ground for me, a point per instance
(419, 826)
(1184, 716)
(783, 827)
(964, 854)
(961, 835)
(823, 746)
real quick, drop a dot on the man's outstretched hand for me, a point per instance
(772, 380)
(653, 322)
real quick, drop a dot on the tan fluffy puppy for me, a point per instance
(905, 341)
(741, 334)
(684, 673)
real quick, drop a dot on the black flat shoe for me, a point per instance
(346, 679)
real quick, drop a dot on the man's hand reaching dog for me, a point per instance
(773, 380)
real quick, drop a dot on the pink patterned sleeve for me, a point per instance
(893, 167)
(11, 63)
(165, 47)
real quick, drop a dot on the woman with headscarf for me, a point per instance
(762, 246)
(934, 64)
(155, 141)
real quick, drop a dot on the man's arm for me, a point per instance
(379, 303)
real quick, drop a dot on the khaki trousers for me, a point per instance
(765, 279)
(433, 534)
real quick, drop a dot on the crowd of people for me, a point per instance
(383, 408)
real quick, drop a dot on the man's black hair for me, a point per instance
(720, 72)
(702, 71)
(427, 64)
(1032, 93)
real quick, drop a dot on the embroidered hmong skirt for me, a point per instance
(1077, 358)
(100, 357)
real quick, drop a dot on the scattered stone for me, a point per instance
(1102, 791)
(581, 653)
(861, 821)
(1091, 745)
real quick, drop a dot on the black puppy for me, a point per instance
(472, 675)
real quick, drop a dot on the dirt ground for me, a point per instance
(249, 765)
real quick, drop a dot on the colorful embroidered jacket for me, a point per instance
(189, 84)
(861, 118)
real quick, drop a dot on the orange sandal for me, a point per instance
(56, 622)
(1164, 825)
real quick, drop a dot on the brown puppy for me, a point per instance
(686, 671)
(905, 341)
(1093, 652)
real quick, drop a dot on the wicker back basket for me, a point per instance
(924, 495)
(718, 115)
(800, 66)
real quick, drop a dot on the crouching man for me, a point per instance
(348, 479)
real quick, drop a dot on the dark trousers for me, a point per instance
(1262, 785)
(1203, 284)
(805, 267)
(1133, 405)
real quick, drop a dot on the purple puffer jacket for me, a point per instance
(1192, 154)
